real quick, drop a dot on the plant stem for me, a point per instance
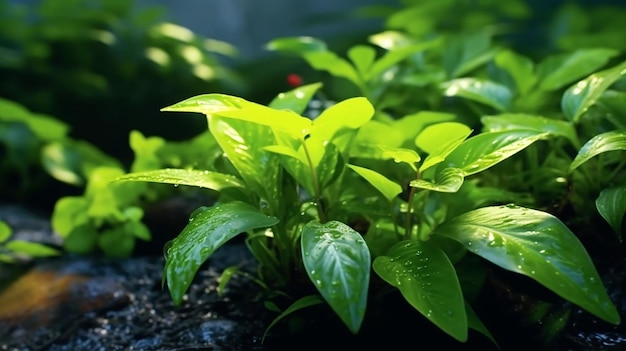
(316, 184)
(408, 212)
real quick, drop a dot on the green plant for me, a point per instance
(325, 202)
(14, 250)
(111, 219)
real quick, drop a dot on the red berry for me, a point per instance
(294, 80)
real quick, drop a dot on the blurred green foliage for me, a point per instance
(106, 67)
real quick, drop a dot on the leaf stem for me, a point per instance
(316, 184)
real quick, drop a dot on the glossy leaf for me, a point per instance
(203, 179)
(582, 95)
(297, 99)
(611, 203)
(557, 71)
(427, 280)
(235, 107)
(208, 229)
(487, 92)
(338, 261)
(509, 121)
(449, 180)
(411, 125)
(439, 140)
(388, 188)
(487, 149)
(609, 141)
(243, 143)
(535, 244)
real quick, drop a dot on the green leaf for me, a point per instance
(31, 249)
(5, 231)
(609, 141)
(449, 180)
(399, 155)
(69, 212)
(582, 95)
(611, 203)
(362, 56)
(396, 55)
(475, 323)
(235, 107)
(411, 125)
(509, 121)
(203, 179)
(301, 303)
(208, 229)
(439, 140)
(243, 143)
(427, 280)
(333, 64)
(487, 149)
(519, 67)
(560, 70)
(535, 244)
(351, 113)
(297, 99)
(484, 91)
(82, 239)
(338, 261)
(297, 45)
(116, 242)
(466, 52)
(388, 188)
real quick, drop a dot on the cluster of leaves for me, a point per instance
(453, 147)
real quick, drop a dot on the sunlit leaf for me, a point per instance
(427, 280)
(449, 180)
(337, 261)
(535, 244)
(411, 125)
(582, 95)
(408, 156)
(235, 107)
(297, 99)
(387, 187)
(208, 229)
(509, 121)
(351, 113)
(487, 92)
(609, 141)
(203, 179)
(612, 205)
(329, 61)
(559, 70)
(243, 143)
(487, 149)
(439, 140)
